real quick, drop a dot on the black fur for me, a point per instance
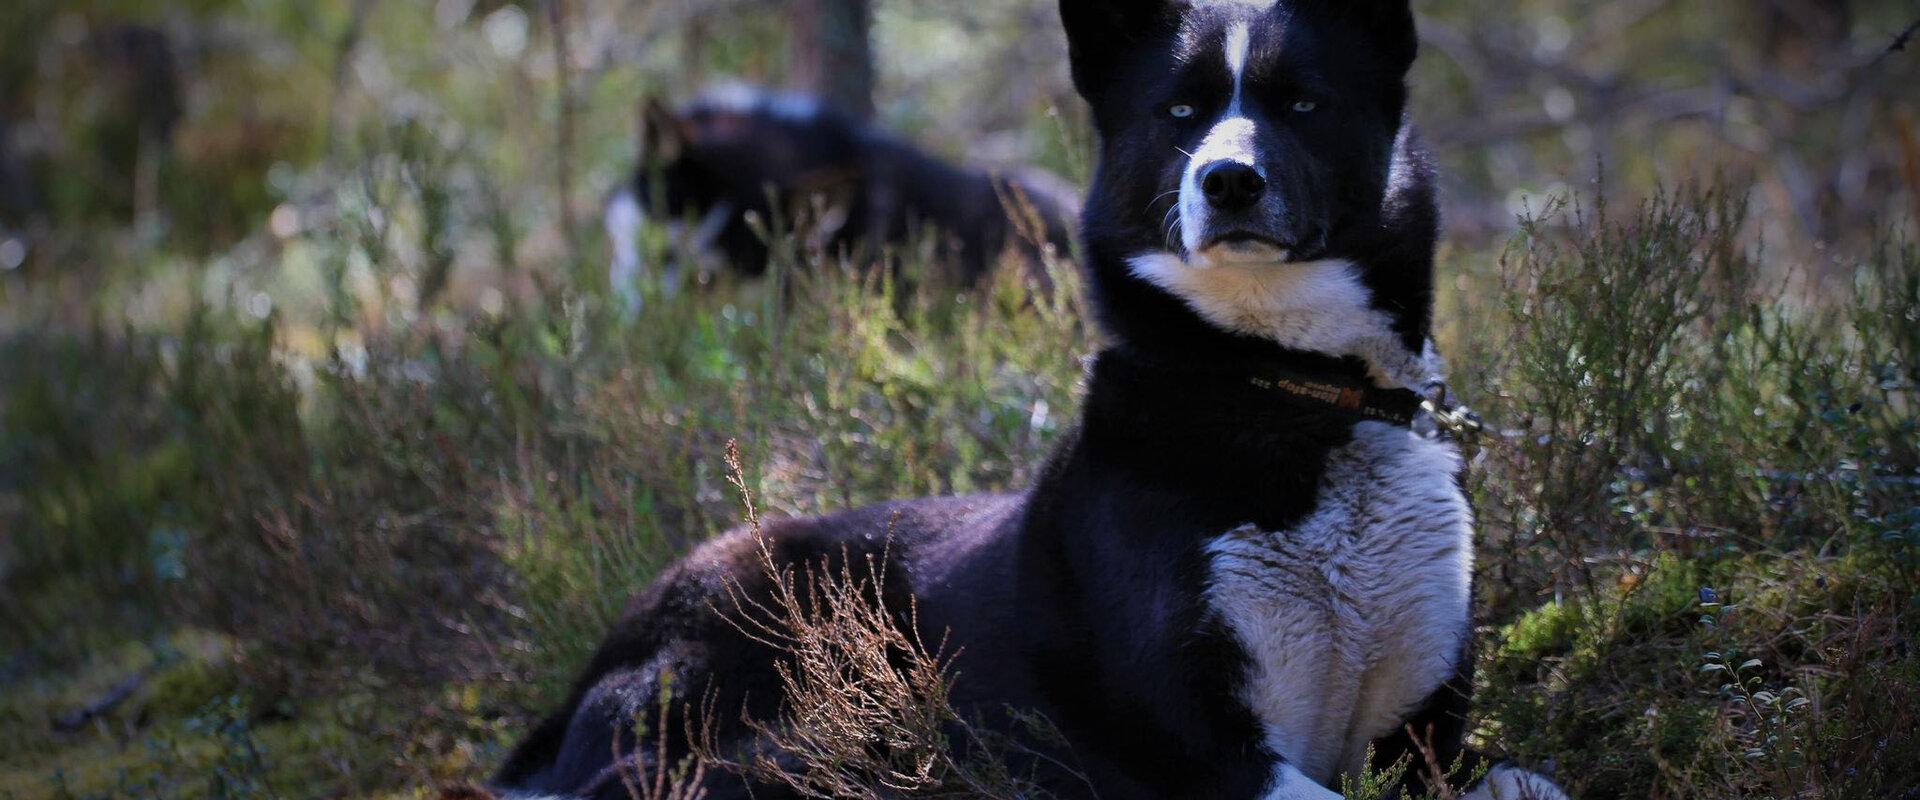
(1081, 598)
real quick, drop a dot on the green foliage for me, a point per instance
(93, 467)
(1372, 785)
(1744, 678)
(1716, 482)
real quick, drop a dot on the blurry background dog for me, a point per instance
(740, 153)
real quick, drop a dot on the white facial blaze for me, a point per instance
(711, 226)
(1239, 40)
(1231, 139)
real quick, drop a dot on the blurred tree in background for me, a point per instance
(832, 57)
(1805, 98)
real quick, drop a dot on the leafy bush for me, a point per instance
(1716, 484)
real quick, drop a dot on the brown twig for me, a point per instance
(1900, 42)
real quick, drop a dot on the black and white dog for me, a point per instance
(739, 150)
(1244, 570)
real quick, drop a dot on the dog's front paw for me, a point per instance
(1512, 783)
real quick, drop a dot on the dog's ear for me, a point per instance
(663, 134)
(1101, 32)
(1390, 23)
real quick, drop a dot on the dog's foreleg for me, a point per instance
(1290, 784)
(623, 219)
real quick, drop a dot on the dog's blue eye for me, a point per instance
(1305, 106)
(1181, 111)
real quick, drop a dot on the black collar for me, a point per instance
(1360, 399)
(1310, 386)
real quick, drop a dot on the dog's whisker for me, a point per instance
(1162, 196)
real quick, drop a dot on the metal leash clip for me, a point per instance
(1456, 421)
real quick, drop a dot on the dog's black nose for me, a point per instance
(1231, 185)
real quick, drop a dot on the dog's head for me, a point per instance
(704, 167)
(735, 151)
(1255, 166)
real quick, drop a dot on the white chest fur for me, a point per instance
(1356, 615)
(1320, 306)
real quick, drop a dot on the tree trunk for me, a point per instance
(832, 57)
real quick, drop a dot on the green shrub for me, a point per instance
(1714, 480)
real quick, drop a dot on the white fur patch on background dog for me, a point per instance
(623, 219)
(745, 98)
(1318, 306)
(1354, 617)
